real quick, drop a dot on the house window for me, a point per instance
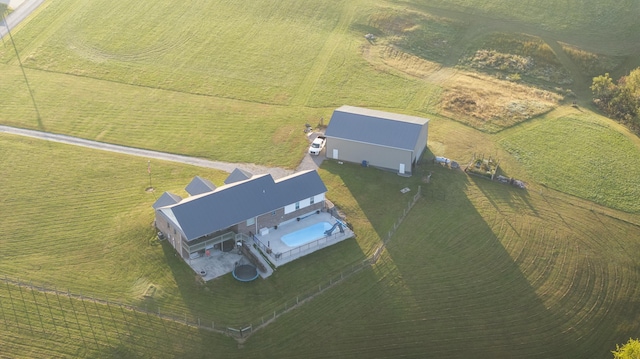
(251, 221)
(312, 200)
(297, 205)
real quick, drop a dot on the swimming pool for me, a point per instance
(306, 235)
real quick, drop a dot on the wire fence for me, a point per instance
(92, 319)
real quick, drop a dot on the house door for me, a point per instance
(401, 169)
(335, 153)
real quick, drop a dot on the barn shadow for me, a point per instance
(452, 278)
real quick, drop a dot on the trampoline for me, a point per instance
(245, 273)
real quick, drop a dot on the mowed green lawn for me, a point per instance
(510, 273)
(490, 272)
(190, 80)
(582, 155)
(80, 219)
(477, 269)
(502, 269)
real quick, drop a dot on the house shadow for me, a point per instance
(453, 285)
(226, 304)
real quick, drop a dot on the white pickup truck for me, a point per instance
(317, 145)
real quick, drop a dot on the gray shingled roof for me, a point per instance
(166, 199)
(238, 175)
(234, 203)
(375, 127)
(199, 185)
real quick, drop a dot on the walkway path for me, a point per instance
(276, 172)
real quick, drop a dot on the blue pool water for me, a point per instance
(306, 235)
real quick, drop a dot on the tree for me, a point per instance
(603, 87)
(620, 101)
(631, 350)
(632, 82)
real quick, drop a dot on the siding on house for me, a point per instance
(383, 139)
(378, 156)
(229, 207)
(421, 143)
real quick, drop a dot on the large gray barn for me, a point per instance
(383, 139)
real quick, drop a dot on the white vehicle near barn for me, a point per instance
(317, 145)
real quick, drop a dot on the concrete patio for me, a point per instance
(219, 263)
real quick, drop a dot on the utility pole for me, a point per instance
(149, 172)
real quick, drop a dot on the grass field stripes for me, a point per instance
(61, 319)
(19, 299)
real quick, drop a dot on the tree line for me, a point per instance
(619, 100)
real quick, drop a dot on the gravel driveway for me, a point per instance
(276, 172)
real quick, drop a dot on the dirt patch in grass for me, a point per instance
(490, 104)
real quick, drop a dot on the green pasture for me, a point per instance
(477, 269)
(46, 324)
(603, 25)
(237, 82)
(81, 220)
(509, 272)
(581, 155)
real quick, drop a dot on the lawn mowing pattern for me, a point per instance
(508, 273)
(581, 156)
(511, 273)
(81, 219)
(200, 126)
(200, 52)
(581, 285)
(275, 59)
(38, 323)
